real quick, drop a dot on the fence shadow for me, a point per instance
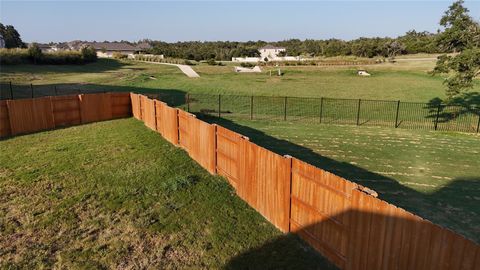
(381, 249)
(453, 206)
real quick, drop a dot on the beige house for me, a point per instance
(271, 52)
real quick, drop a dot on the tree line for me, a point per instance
(410, 43)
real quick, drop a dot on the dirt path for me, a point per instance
(187, 70)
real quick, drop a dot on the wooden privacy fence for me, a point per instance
(339, 218)
(22, 116)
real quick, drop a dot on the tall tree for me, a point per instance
(11, 36)
(461, 35)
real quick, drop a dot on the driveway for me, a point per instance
(184, 68)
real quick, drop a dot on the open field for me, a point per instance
(406, 81)
(116, 195)
(433, 174)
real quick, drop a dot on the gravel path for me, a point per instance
(184, 68)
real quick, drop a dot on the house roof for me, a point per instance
(143, 46)
(112, 46)
(271, 47)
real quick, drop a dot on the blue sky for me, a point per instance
(42, 21)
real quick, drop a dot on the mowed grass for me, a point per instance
(116, 195)
(431, 173)
(406, 81)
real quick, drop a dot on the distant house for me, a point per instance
(270, 51)
(45, 47)
(107, 49)
(2, 41)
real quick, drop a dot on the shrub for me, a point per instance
(117, 55)
(13, 56)
(247, 65)
(34, 53)
(88, 54)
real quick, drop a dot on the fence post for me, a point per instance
(11, 90)
(285, 109)
(358, 112)
(219, 105)
(478, 124)
(321, 109)
(396, 116)
(251, 108)
(31, 87)
(188, 102)
(436, 118)
(55, 88)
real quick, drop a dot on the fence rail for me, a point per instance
(360, 112)
(339, 218)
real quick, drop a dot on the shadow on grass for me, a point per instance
(452, 206)
(102, 65)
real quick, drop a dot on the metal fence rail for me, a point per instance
(360, 112)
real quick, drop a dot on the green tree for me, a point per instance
(11, 37)
(34, 53)
(462, 35)
(88, 54)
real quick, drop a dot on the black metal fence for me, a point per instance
(360, 112)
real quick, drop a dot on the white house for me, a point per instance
(270, 52)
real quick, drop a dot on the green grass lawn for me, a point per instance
(116, 195)
(433, 174)
(407, 81)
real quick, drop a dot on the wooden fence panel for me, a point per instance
(320, 201)
(383, 236)
(121, 106)
(198, 138)
(142, 107)
(229, 154)
(264, 183)
(4, 120)
(135, 101)
(66, 110)
(149, 116)
(95, 107)
(167, 122)
(30, 115)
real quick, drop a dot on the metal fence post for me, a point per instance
(219, 105)
(285, 109)
(11, 90)
(31, 87)
(478, 124)
(251, 108)
(321, 109)
(188, 102)
(396, 116)
(358, 112)
(438, 114)
(55, 88)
